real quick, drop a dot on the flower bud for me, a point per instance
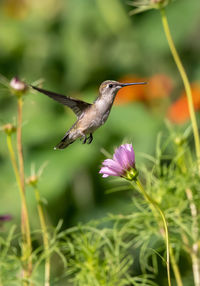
(144, 5)
(32, 180)
(8, 128)
(179, 140)
(18, 87)
(160, 3)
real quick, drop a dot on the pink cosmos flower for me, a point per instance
(123, 161)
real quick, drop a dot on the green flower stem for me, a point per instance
(44, 235)
(185, 82)
(25, 229)
(194, 214)
(175, 268)
(19, 143)
(21, 174)
(156, 206)
(195, 231)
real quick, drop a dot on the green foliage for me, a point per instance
(102, 252)
(10, 264)
(99, 255)
(95, 257)
(75, 45)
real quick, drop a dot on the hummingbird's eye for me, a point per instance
(110, 85)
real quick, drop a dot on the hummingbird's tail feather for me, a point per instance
(66, 141)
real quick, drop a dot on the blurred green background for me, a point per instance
(74, 45)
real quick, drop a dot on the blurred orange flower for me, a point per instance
(130, 93)
(158, 86)
(178, 112)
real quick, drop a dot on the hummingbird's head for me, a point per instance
(109, 88)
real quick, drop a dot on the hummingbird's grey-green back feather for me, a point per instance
(78, 106)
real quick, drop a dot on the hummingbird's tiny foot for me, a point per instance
(90, 138)
(85, 139)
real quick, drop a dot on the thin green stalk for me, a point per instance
(175, 268)
(26, 250)
(25, 218)
(185, 82)
(195, 246)
(156, 206)
(173, 261)
(44, 235)
(19, 143)
(194, 253)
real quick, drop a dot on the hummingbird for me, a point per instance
(89, 116)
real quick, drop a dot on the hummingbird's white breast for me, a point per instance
(95, 116)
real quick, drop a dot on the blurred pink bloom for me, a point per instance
(17, 84)
(4, 218)
(123, 160)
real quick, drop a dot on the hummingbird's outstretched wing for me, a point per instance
(78, 106)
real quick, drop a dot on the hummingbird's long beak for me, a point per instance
(132, 83)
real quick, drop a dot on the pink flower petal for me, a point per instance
(113, 165)
(105, 176)
(117, 156)
(130, 153)
(108, 171)
(126, 158)
(122, 157)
